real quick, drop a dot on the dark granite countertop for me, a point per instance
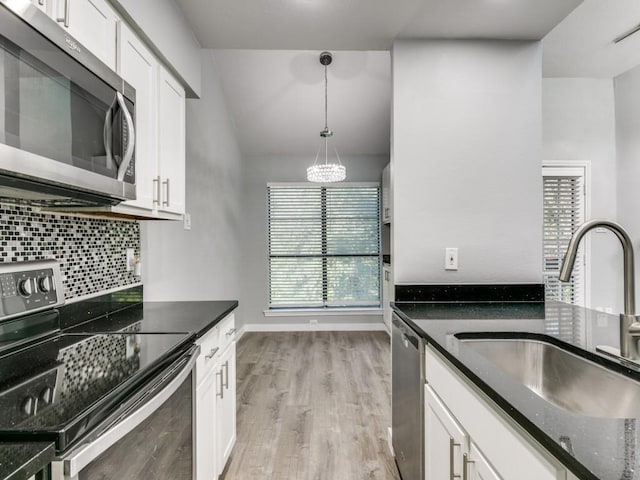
(161, 317)
(20, 461)
(592, 448)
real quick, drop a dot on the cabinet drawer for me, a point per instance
(227, 329)
(209, 352)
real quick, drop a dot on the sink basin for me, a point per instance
(561, 378)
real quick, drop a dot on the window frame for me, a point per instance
(324, 309)
(568, 167)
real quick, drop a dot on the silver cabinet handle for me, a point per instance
(65, 18)
(226, 368)
(166, 203)
(131, 144)
(156, 192)
(212, 352)
(465, 466)
(452, 445)
(231, 332)
(221, 394)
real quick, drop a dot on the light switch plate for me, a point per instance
(187, 221)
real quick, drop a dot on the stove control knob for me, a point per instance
(46, 395)
(25, 287)
(28, 405)
(44, 284)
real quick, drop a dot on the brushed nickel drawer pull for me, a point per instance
(212, 352)
(452, 445)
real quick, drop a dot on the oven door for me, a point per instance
(152, 437)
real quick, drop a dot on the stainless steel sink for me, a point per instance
(566, 380)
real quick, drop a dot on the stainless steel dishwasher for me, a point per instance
(407, 379)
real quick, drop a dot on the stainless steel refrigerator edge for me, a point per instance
(407, 416)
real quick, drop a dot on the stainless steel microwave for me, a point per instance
(67, 121)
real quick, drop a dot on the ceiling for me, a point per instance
(277, 100)
(267, 56)
(582, 45)
(365, 24)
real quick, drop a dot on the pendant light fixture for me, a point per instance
(326, 172)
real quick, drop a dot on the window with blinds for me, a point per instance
(564, 211)
(324, 246)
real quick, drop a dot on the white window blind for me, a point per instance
(564, 211)
(324, 246)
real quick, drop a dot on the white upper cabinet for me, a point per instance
(92, 23)
(171, 131)
(139, 67)
(160, 131)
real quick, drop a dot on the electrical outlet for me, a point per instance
(451, 258)
(130, 256)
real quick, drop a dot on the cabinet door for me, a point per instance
(445, 440)
(206, 437)
(93, 24)
(139, 67)
(171, 131)
(226, 406)
(478, 466)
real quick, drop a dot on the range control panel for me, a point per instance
(27, 287)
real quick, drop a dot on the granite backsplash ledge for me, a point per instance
(91, 251)
(503, 292)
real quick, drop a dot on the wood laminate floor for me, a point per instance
(313, 406)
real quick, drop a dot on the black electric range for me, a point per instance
(57, 386)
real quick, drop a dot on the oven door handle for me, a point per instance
(137, 411)
(131, 144)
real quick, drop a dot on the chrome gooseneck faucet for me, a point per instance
(629, 321)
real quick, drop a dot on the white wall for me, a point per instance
(260, 171)
(203, 263)
(578, 123)
(627, 99)
(166, 27)
(466, 161)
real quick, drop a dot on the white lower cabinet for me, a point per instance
(226, 406)
(467, 438)
(478, 467)
(215, 399)
(445, 441)
(206, 447)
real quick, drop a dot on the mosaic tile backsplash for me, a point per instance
(91, 252)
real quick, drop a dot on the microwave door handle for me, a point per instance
(131, 144)
(106, 135)
(76, 460)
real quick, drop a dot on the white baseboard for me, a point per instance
(311, 327)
